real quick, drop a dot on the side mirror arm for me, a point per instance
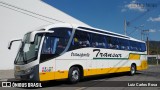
(10, 42)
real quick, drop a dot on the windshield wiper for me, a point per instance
(22, 53)
(24, 57)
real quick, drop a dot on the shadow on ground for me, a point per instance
(85, 82)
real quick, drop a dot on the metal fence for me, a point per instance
(153, 60)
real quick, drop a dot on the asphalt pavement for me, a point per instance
(120, 81)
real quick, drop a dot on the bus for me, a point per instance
(69, 51)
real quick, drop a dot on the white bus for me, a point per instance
(67, 51)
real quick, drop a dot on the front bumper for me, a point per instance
(32, 75)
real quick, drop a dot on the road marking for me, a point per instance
(81, 88)
(3, 79)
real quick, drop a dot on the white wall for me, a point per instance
(14, 24)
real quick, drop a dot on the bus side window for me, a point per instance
(81, 39)
(134, 46)
(143, 47)
(98, 41)
(131, 46)
(54, 44)
(115, 43)
(138, 46)
(126, 44)
(46, 46)
(109, 42)
(121, 44)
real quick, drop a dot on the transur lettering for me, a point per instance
(106, 54)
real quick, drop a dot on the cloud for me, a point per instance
(135, 6)
(123, 10)
(152, 30)
(156, 19)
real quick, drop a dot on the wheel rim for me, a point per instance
(75, 75)
(133, 70)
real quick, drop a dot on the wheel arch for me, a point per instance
(134, 65)
(80, 68)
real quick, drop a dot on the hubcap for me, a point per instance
(75, 75)
(132, 69)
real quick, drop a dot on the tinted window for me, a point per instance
(81, 39)
(98, 41)
(54, 44)
(124, 44)
(109, 42)
(112, 42)
(84, 39)
(143, 47)
(132, 46)
(135, 46)
(138, 46)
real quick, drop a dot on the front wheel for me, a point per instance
(74, 75)
(133, 69)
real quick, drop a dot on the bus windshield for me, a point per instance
(28, 51)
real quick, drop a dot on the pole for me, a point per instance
(125, 25)
(157, 55)
(141, 34)
(147, 46)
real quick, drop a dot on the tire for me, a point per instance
(133, 70)
(74, 75)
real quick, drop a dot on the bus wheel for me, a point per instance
(133, 69)
(74, 75)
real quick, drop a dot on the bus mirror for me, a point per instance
(11, 41)
(33, 34)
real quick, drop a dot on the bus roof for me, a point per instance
(87, 28)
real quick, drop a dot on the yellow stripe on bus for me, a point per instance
(44, 76)
(89, 72)
(133, 56)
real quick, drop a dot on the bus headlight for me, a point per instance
(28, 70)
(31, 76)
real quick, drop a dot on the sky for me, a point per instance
(110, 15)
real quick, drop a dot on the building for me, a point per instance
(20, 16)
